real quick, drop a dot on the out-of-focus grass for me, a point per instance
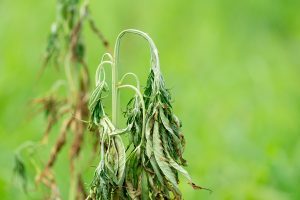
(233, 69)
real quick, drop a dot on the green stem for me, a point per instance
(98, 72)
(100, 66)
(134, 76)
(154, 64)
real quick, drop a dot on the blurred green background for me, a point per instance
(233, 68)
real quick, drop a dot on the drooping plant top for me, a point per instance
(148, 166)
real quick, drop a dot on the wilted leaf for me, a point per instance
(121, 158)
(161, 159)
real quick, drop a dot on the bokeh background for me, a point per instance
(233, 68)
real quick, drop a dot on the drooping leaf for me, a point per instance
(167, 126)
(145, 188)
(161, 159)
(121, 159)
(148, 132)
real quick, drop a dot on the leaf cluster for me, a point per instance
(66, 32)
(148, 167)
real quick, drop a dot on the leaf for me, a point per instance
(121, 159)
(173, 163)
(196, 187)
(95, 105)
(156, 170)
(114, 157)
(103, 186)
(149, 145)
(161, 160)
(95, 96)
(179, 168)
(177, 121)
(120, 131)
(145, 189)
(166, 124)
(131, 191)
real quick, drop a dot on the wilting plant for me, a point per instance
(145, 167)
(66, 50)
(148, 166)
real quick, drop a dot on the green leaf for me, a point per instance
(161, 159)
(145, 188)
(166, 124)
(156, 170)
(179, 168)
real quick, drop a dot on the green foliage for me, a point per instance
(154, 152)
(235, 63)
